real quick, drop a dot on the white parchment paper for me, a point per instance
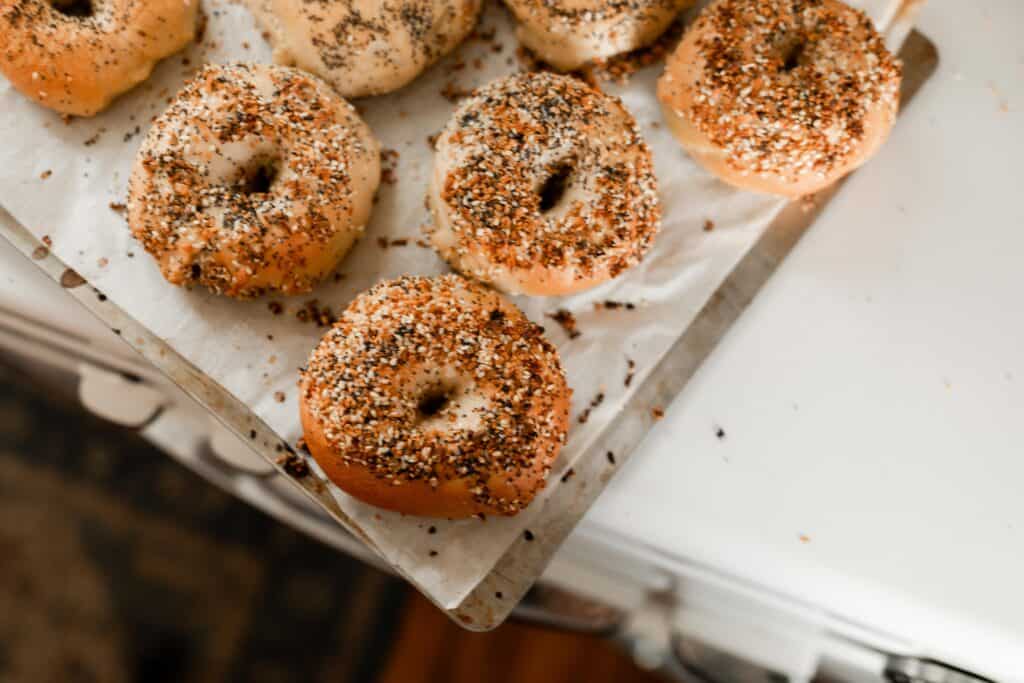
(59, 180)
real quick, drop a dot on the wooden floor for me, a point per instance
(430, 648)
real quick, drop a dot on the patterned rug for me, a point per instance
(119, 565)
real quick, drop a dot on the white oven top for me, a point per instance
(871, 399)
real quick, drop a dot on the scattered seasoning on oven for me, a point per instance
(432, 530)
(101, 296)
(275, 307)
(103, 262)
(252, 433)
(48, 241)
(657, 413)
(382, 242)
(279, 396)
(720, 433)
(611, 457)
(566, 320)
(630, 372)
(294, 466)
(45, 174)
(40, 253)
(400, 242)
(594, 402)
(338, 277)
(92, 141)
(709, 225)
(70, 279)
(804, 538)
(301, 445)
(432, 140)
(498, 595)
(132, 133)
(423, 244)
(570, 473)
(528, 535)
(117, 207)
(433, 553)
(611, 305)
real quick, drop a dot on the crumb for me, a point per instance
(720, 433)
(301, 445)
(432, 530)
(117, 207)
(566, 320)
(382, 242)
(709, 225)
(630, 372)
(40, 253)
(498, 595)
(275, 307)
(433, 553)
(48, 241)
(389, 161)
(69, 279)
(294, 466)
(570, 473)
(45, 174)
(528, 535)
(453, 93)
(611, 457)
(312, 311)
(614, 305)
(279, 396)
(657, 413)
(432, 139)
(804, 538)
(103, 262)
(594, 402)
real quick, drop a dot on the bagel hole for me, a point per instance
(73, 8)
(433, 402)
(792, 55)
(260, 177)
(554, 187)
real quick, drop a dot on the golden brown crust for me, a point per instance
(365, 47)
(78, 64)
(495, 163)
(436, 397)
(257, 178)
(781, 96)
(567, 34)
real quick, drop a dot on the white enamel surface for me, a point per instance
(872, 398)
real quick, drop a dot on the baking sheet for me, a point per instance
(60, 180)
